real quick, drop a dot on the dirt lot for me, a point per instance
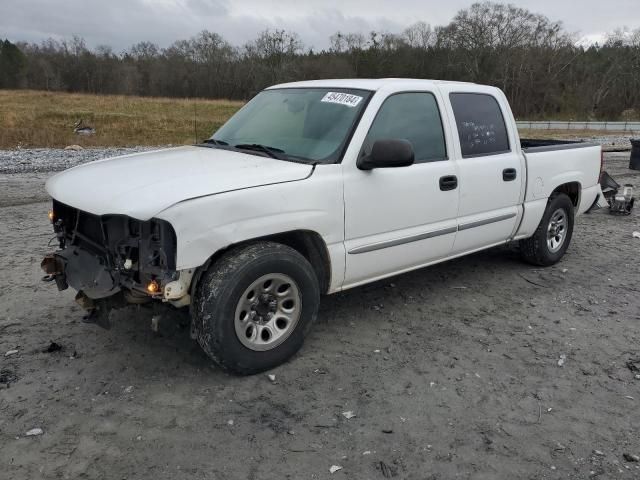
(451, 372)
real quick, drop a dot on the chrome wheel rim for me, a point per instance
(557, 230)
(268, 312)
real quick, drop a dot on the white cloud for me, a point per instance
(120, 23)
(592, 39)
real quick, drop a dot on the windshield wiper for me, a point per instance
(273, 152)
(215, 142)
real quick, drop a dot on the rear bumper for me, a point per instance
(591, 198)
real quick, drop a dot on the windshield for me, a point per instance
(311, 124)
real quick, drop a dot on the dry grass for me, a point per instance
(44, 119)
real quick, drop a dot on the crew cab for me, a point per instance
(312, 188)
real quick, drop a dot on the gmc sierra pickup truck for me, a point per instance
(312, 188)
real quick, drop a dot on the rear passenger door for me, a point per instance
(400, 218)
(490, 167)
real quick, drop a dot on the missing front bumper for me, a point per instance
(81, 270)
(53, 267)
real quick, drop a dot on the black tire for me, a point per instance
(536, 250)
(222, 287)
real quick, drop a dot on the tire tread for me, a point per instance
(533, 250)
(223, 272)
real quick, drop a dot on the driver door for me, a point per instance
(397, 219)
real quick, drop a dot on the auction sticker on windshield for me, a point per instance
(342, 99)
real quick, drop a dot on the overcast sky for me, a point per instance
(121, 23)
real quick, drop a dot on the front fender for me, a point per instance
(208, 224)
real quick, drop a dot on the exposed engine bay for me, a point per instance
(111, 260)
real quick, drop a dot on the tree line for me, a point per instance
(544, 72)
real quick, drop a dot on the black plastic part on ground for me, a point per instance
(634, 161)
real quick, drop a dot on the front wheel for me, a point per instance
(254, 305)
(553, 235)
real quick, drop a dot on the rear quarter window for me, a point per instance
(481, 127)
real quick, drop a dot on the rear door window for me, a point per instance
(481, 127)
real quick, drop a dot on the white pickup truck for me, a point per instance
(312, 188)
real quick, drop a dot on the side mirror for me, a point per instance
(388, 154)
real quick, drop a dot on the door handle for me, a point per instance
(448, 182)
(509, 174)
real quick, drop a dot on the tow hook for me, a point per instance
(54, 269)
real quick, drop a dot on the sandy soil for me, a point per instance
(451, 372)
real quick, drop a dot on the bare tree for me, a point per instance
(542, 69)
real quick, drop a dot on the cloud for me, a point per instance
(121, 23)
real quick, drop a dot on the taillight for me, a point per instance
(601, 165)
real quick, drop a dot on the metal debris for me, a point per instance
(7, 377)
(11, 352)
(80, 128)
(633, 364)
(34, 432)
(155, 323)
(387, 470)
(348, 414)
(334, 468)
(620, 198)
(53, 347)
(562, 359)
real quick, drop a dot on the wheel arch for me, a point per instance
(572, 189)
(307, 243)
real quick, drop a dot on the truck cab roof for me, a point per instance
(372, 84)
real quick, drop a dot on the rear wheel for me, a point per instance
(553, 235)
(254, 306)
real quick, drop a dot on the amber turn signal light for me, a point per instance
(153, 287)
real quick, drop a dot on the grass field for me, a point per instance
(44, 119)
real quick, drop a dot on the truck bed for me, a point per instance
(554, 162)
(532, 145)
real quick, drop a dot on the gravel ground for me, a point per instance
(38, 160)
(610, 141)
(617, 142)
(451, 371)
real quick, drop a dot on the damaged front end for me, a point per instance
(114, 260)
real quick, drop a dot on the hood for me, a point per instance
(143, 184)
